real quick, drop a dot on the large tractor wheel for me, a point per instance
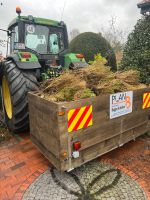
(15, 86)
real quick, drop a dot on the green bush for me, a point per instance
(91, 44)
(137, 50)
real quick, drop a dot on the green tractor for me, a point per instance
(38, 51)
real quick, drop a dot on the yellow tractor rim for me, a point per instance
(6, 97)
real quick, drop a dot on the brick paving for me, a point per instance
(21, 164)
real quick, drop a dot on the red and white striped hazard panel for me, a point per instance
(79, 118)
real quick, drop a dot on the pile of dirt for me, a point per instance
(88, 82)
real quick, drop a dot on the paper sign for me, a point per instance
(121, 104)
(19, 46)
(30, 29)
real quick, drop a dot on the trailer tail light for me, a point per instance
(80, 56)
(25, 55)
(77, 146)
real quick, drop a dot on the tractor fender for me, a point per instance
(24, 65)
(71, 60)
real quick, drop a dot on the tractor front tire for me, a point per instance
(16, 84)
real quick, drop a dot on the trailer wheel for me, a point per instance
(15, 86)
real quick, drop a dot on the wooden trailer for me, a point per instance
(70, 134)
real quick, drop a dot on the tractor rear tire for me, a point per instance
(18, 83)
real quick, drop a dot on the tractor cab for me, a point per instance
(45, 39)
(38, 38)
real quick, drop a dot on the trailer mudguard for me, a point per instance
(25, 63)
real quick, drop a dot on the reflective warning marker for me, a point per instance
(79, 118)
(146, 100)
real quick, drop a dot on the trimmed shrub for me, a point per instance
(91, 44)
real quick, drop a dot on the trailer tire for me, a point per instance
(16, 84)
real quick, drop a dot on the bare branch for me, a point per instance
(73, 33)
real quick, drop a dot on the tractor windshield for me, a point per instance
(43, 39)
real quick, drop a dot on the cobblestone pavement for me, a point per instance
(21, 164)
(134, 159)
(93, 181)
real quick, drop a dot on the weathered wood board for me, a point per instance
(49, 127)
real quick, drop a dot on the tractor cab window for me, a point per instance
(37, 38)
(54, 46)
(43, 40)
(56, 42)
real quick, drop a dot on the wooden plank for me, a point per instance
(100, 103)
(44, 124)
(102, 131)
(44, 109)
(126, 137)
(106, 146)
(43, 105)
(148, 126)
(100, 118)
(46, 153)
(95, 134)
(95, 151)
(134, 120)
(141, 129)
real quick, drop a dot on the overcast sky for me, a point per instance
(85, 15)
